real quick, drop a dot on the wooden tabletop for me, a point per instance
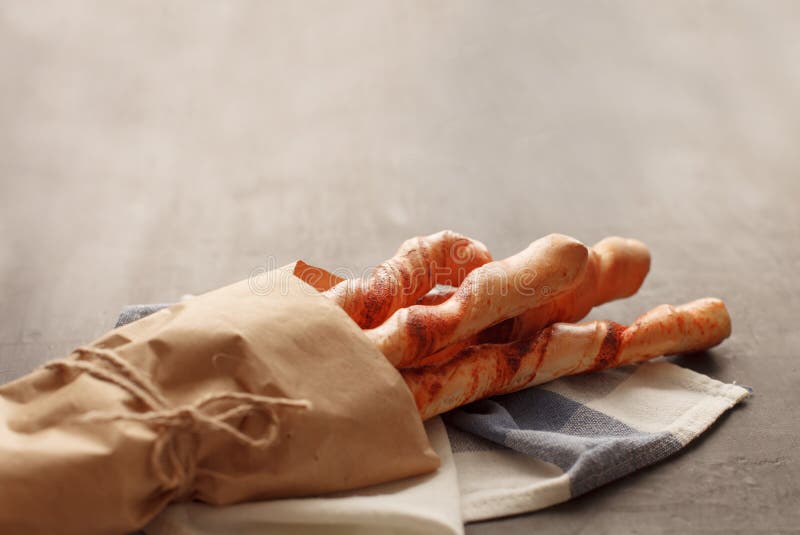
(148, 150)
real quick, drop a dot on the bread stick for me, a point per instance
(563, 349)
(320, 279)
(616, 268)
(421, 263)
(490, 294)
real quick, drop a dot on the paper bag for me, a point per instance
(243, 393)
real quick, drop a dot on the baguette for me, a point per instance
(563, 349)
(615, 269)
(488, 295)
(419, 264)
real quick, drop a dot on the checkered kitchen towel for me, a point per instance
(511, 454)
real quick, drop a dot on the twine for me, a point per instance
(170, 421)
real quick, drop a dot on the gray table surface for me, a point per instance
(149, 150)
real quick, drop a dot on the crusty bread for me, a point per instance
(616, 268)
(563, 349)
(419, 264)
(488, 295)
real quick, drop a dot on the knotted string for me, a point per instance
(170, 421)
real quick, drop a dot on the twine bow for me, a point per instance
(170, 421)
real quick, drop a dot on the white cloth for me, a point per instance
(514, 454)
(419, 505)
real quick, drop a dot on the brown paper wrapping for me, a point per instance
(231, 396)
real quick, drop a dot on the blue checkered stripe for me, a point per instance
(592, 448)
(132, 313)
